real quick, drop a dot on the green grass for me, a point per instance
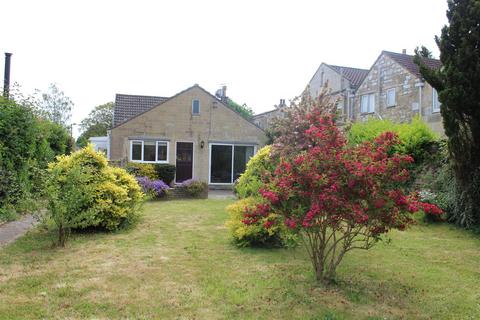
(178, 263)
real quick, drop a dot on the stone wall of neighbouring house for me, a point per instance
(264, 120)
(173, 121)
(386, 74)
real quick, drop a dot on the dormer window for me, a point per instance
(195, 107)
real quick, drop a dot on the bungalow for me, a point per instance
(194, 130)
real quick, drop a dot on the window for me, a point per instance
(435, 103)
(228, 162)
(136, 149)
(148, 151)
(391, 97)
(367, 103)
(195, 106)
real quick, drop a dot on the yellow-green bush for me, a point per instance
(112, 196)
(256, 234)
(142, 170)
(416, 137)
(251, 180)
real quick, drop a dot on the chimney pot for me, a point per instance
(404, 51)
(6, 78)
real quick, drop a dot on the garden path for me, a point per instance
(15, 229)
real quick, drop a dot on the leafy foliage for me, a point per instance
(258, 167)
(107, 197)
(165, 172)
(252, 234)
(142, 170)
(415, 137)
(98, 121)
(195, 188)
(244, 110)
(457, 85)
(27, 144)
(153, 188)
(288, 132)
(55, 106)
(338, 197)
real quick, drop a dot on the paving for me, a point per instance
(15, 229)
(221, 194)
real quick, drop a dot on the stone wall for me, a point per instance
(412, 95)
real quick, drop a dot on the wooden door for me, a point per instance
(184, 163)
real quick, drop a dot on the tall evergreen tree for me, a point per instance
(458, 86)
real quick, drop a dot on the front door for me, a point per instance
(184, 162)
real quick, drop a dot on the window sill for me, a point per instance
(435, 111)
(392, 106)
(152, 162)
(367, 113)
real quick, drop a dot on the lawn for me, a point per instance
(178, 263)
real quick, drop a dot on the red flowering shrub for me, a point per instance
(339, 197)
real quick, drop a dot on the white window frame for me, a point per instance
(143, 151)
(233, 157)
(370, 97)
(199, 107)
(435, 102)
(391, 103)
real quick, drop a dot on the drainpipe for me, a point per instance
(420, 86)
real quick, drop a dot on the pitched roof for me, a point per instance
(354, 75)
(407, 61)
(128, 106)
(142, 104)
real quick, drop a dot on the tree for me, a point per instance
(55, 106)
(423, 52)
(244, 110)
(97, 123)
(288, 132)
(458, 87)
(338, 197)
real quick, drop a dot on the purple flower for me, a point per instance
(154, 187)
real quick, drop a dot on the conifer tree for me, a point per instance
(458, 86)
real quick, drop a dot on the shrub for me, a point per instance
(258, 167)
(142, 170)
(338, 197)
(415, 137)
(195, 188)
(85, 192)
(165, 172)
(253, 234)
(153, 188)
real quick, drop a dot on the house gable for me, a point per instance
(173, 120)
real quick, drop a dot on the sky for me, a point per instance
(263, 51)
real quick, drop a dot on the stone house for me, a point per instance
(264, 120)
(394, 89)
(193, 130)
(342, 83)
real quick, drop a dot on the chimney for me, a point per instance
(224, 91)
(404, 51)
(6, 78)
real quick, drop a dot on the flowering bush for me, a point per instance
(153, 188)
(247, 233)
(338, 197)
(194, 188)
(84, 192)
